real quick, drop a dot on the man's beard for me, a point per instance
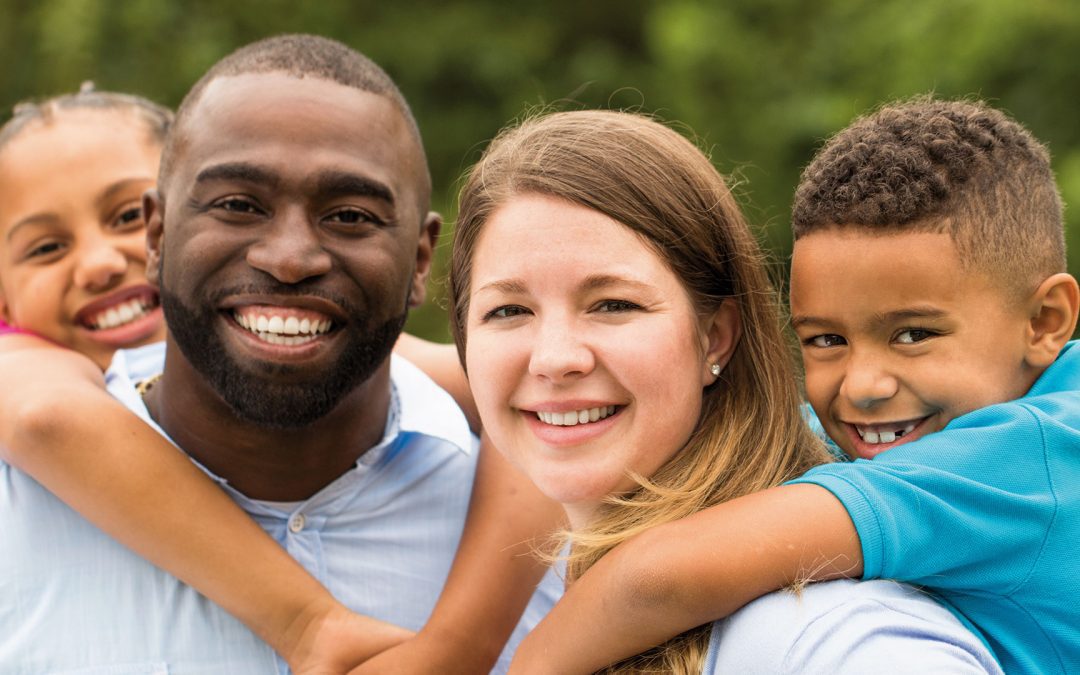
(263, 399)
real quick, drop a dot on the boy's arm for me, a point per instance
(494, 574)
(690, 572)
(60, 426)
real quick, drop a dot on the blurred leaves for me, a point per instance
(760, 82)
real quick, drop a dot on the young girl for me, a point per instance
(72, 173)
(624, 348)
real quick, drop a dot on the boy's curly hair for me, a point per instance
(960, 167)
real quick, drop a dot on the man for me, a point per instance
(289, 237)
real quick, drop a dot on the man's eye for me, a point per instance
(353, 217)
(616, 306)
(505, 312)
(824, 341)
(913, 335)
(236, 205)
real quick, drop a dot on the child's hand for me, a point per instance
(339, 640)
(428, 653)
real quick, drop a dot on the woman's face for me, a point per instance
(585, 355)
(73, 256)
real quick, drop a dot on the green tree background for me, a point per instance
(760, 82)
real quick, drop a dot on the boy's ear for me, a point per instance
(5, 315)
(722, 332)
(1054, 308)
(153, 207)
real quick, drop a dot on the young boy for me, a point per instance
(929, 293)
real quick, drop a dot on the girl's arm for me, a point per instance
(60, 426)
(496, 569)
(691, 572)
(495, 573)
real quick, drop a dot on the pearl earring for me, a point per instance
(715, 369)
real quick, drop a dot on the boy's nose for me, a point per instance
(100, 265)
(290, 251)
(558, 353)
(867, 383)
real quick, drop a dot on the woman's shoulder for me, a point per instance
(846, 626)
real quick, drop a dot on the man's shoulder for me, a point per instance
(426, 408)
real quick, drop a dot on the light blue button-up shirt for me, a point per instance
(381, 538)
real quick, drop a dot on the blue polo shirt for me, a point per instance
(986, 513)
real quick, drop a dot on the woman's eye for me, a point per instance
(913, 335)
(616, 306)
(505, 312)
(824, 341)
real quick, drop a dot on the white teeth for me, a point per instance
(887, 436)
(120, 315)
(283, 331)
(575, 417)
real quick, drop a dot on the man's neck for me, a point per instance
(268, 463)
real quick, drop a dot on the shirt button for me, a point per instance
(297, 522)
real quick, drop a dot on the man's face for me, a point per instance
(288, 242)
(898, 339)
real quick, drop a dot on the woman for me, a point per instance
(623, 345)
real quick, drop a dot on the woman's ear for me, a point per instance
(5, 315)
(722, 331)
(1054, 307)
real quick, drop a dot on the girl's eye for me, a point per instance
(616, 306)
(913, 335)
(505, 312)
(825, 341)
(129, 219)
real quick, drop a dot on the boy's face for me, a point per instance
(72, 235)
(897, 338)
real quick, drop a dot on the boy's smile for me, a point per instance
(898, 338)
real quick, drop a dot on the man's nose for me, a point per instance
(868, 381)
(558, 351)
(290, 250)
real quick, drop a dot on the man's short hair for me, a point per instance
(297, 56)
(960, 167)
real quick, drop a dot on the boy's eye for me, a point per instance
(45, 250)
(505, 312)
(824, 341)
(913, 335)
(616, 306)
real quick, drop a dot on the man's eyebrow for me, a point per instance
(238, 171)
(334, 183)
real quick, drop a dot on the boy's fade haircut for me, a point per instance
(158, 118)
(296, 55)
(959, 167)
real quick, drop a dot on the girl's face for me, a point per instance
(72, 240)
(585, 354)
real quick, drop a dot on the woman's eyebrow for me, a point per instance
(35, 219)
(119, 186)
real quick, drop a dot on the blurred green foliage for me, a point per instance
(760, 82)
